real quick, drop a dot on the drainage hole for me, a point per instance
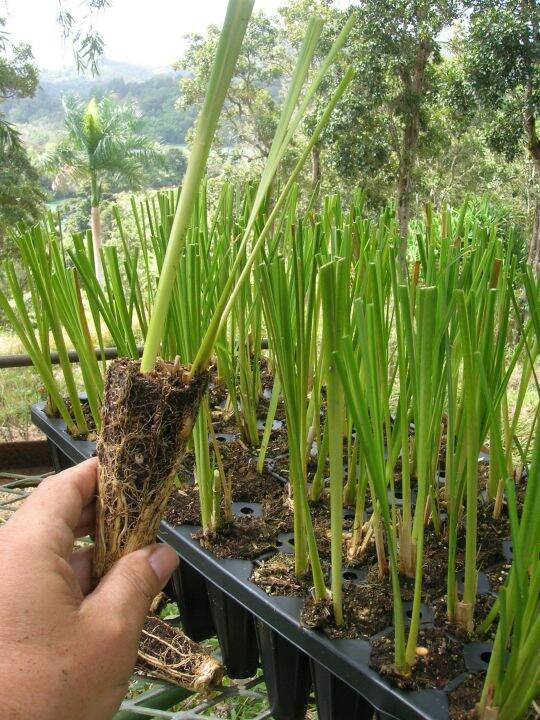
(409, 613)
(279, 543)
(348, 575)
(246, 511)
(291, 541)
(485, 656)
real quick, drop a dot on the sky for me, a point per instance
(144, 32)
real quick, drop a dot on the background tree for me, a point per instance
(77, 21)
(104, 140)
(20, 196)
(397, 48)
(502, 65)
(249, 115)
(384, 123)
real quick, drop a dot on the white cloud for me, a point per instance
(135, 31)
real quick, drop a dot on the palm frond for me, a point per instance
(105, 137)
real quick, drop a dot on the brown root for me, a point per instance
(147, 420)
(165, 653)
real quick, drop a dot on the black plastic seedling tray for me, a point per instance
(250, 623)
(65, 449)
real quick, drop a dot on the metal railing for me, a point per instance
(18, 361)
(110, 353)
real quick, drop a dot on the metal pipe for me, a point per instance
(18, 361)
(15, 361)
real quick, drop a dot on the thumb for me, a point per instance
(129, 587)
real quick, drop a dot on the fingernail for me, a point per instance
(164, 562)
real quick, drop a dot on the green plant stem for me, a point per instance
(230, 293)
(230, 42)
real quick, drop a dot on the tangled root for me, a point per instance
(165, 653)
(147, 420)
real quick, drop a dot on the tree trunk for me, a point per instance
(534, 242)
(403, 208)
(534, 245)
(95, 221)
(404, 181)
(533, 145)
(412, 80)
(315, 167)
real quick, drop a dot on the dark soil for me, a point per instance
(247, 484)
(491, 533)
(278, 511)
(184, 506)
(435, 566)
(442, 663)
(462, 700)
(276, 576)
(91, 435)
(483, 605)
(242, 538)
(277, 453)
(217, 392)
(497, 575)
(367, 609)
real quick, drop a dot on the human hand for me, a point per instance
(67, 648)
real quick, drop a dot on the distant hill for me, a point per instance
(154, 90)
(108, 70)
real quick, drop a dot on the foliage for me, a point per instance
(250, 112)
(501, 65)
(104, 140)
(502, 71)
(157, 101)
(78, 24)
(20, 196)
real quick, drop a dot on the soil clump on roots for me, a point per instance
(147, 420)
(167, 654)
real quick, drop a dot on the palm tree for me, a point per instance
(104, 140)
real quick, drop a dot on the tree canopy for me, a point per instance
(20, 195)
(103, 140)
(443, 106)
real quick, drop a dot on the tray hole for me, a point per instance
(279, 543)
(485, 656)
(291, 541)
(348, 515)
(409, 613)
(222, 438)
(350, 575)
(246, 511)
